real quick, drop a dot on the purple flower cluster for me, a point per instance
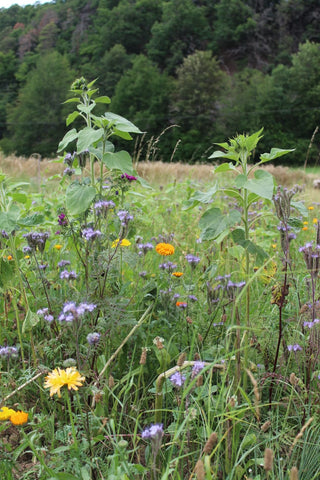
(63, 263)
(311, 324)
(102, 206)
(36, 240)
(131, 178)
(62, 220)
(8, 351)
(44, 312)
(144, 248)
(192, 260)
(311, 255)
(68, 172)
(294, 348)
(124, 217)
(197, 368)
(177, 379)
(72, 312)
(170, 266)
(154, 432)
(89, 234)
(66, 275)
(93, 338)
(193, 298)
(4, 234)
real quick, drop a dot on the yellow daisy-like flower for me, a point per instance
(311, 207)
(274, 245)
(19, 418)
(27, 257)
(165, 249)
(58, 246)
(5, 413)
(124, 243)
(305, 223)
(58, 378)
(177, 274)
(315, 220)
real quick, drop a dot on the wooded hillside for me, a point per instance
(208, 69)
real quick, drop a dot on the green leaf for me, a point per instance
(252, 140)
(87, 137)
(30, 321)
(86, 108)
(224, 167)
(7, 271)
(121, 123)
(72, 100)
(241, 180)
(238, 236)
(118, 161)
(274, 153)
(262, 184)
(79, 198)
(230, 155)
(31, 220)
(72, 117)
(300, 207)
(121, 134)
(234, 193)
(200, 197)
(103, 99)
(19, 197)
(213, 222)
(68, 138)
(295, 222)
(7, 222)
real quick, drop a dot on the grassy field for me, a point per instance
(160, 331)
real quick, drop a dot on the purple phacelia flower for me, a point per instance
(93, 338)
(89, 234)
(177, 379)
(66, 275)
(197, 367)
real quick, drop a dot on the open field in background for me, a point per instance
(157, 172)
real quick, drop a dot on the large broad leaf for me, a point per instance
(8, 222)
(262, 184)
(213, 222)
(68, 138)
(274, 153)
(30, 321)
(118, 161)
(238, 236)
(71, 117)
(224, 167)
(121, 123)
(79, 198)
(300, 207)
(87, 137)
(200, 197)
(31, 220)
(229, 155)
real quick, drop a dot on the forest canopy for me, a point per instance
(200, 70)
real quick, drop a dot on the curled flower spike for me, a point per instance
(165, 249)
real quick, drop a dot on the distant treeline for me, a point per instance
(208, 69)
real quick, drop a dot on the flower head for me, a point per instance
(177, 379)
(181, 304)
(19, 418)
(93, 338)
(153, 432)
(5, 413)
(123, 243)
(197, 367)
(165, 249)
(177, 274)
(89, 234)
(58, 378)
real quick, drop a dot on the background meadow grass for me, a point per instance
(212, 427)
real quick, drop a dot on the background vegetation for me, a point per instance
(206, 68)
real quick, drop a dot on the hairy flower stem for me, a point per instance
(18, 330)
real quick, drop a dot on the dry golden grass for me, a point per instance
(156, 173)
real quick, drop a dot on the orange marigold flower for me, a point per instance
(57, 246)
(165, 249)
(311, 207)
(19, 418)
(181, 304)
(177, 274)
(304, 228)
(10, 257)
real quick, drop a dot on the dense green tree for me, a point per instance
(37, 120)
(142, 96)
(182, 30)
(113, 65)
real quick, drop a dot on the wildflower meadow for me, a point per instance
(152, 332)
